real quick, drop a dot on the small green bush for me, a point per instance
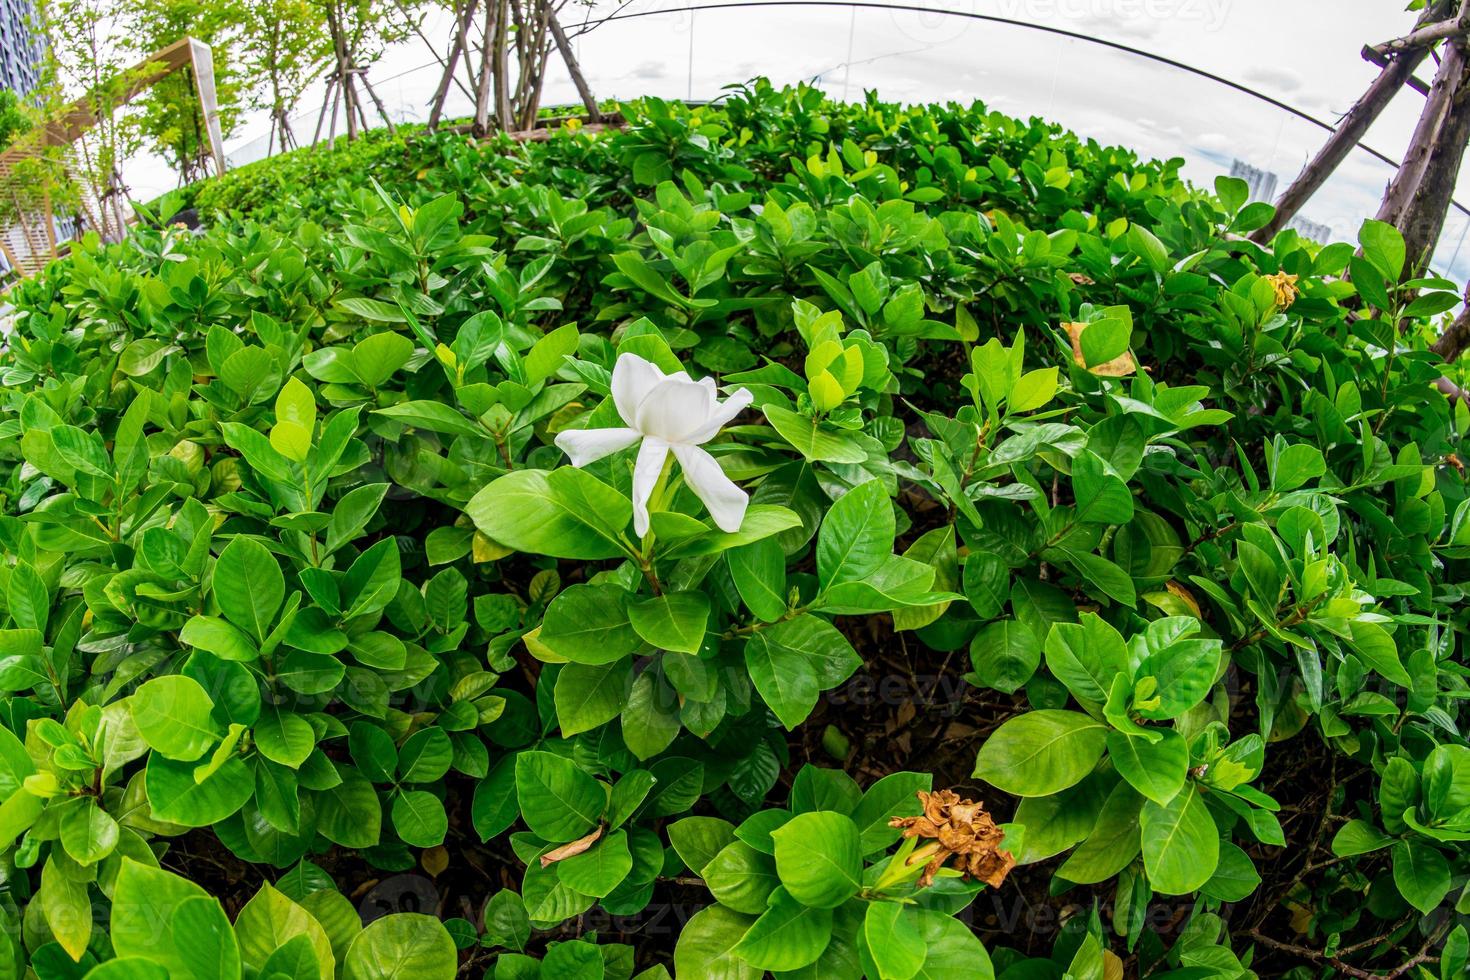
(302, 591)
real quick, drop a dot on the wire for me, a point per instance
(995, 19)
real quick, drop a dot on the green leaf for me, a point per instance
(269, 920)
(1041, 752)
(1101, 497)
(759, 573)
(953, 951)
(88, 832)
(590, 695)
(816, 442)
(1358, 837)
(399, 946)
(214, 635)
(819, 856)
(143, 900)
(601, 868)
(741, 878)
(284, 736)
(895, 795)
(589, 624)
(787, 936)
(698, 839)
(1086, 656)
(892, 938)
(705, 944)
(559, 801)
(249, 586)
(1421, 873)
(1181, 845)
(576, 516)
(856, 535)
(785, 677)
(178, 795)
(419, 818)
(673, 621)
(1005, 655)
(349, 813)
(1112, 842)
(1156, 769)
(1376, 646)
(1235, 877)
(174, 716)
(204, 939)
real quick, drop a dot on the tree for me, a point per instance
(284, 46)
(87, 57)
(510, 95)
(359, 30)
(169, 115)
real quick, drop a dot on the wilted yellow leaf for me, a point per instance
(1118, 367)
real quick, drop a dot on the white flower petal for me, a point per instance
(651, 456)
(722, 414)
(725, 500)
(632, 380)
(589, 445)
(675, 410)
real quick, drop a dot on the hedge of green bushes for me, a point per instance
(515, 517)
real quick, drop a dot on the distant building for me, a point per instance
(20, 49)
(1261, 182)
(1314, 230)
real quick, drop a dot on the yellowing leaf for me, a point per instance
(1120, 366)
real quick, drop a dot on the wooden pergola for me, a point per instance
(31, 241)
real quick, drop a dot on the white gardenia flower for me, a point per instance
(669, 412)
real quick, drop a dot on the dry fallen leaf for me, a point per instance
(959, 829)
(1118, 367)
(570, 850)
(435, 860)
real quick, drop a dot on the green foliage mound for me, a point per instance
(304, 601)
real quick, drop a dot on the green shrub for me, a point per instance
(302, 587)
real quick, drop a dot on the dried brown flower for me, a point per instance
(960, 829)
(1286, 288)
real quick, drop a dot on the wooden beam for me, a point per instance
(1350, 130)
(1442, 95)
(569, 57)
(1425, 37)
(83, 114)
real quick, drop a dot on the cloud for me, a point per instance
(1273, 76)
(650, 70)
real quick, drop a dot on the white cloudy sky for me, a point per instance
(1303, 52)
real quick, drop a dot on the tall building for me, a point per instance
(20, 49)
(1261, 182)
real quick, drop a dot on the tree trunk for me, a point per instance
(377, 102)
(1351, 128)
(1401, 190)
(503, 115)
(1423, 218)
(1456, 339)
(461, 28)
(487, 60)
(1346, 136)
(569, 57)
